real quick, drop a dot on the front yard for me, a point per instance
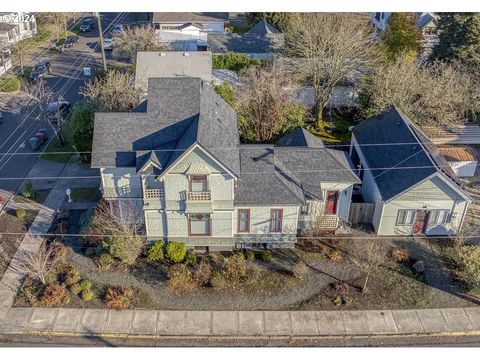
(315, 275)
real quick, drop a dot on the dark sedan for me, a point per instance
(40, 70)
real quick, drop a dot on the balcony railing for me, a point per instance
(153, 194)
(199, 196)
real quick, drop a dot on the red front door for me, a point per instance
(331, 203)
(420, 222)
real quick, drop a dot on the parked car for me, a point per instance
(63, 108)
(71, 41)
(1, 117)
(38, 139)
(87, 25)
(40, 70)
(108, 44)
(118, 29)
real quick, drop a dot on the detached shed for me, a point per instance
(461, 159)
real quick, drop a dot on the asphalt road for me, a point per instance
(66, 81)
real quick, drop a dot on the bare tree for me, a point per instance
(367, 256)
(41, 95)
(113, 92)
(436, 94)
(261, 99)
(132, 40)
(325, 49)
(40, 263)
(59, 20)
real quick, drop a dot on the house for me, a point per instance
(9, 34)
(188, 31)
(152, 64)
(209, 21)
(261, 42)
(24, 24)
(412, 187)
(180, 162)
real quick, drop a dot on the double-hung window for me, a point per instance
(406, 217)
(276, 220)
(438, 217)
(243, 220)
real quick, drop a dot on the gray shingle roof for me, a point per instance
(173, 17)
(180, 112)
(300, 137)
(256, 42)
(401, 145)
(152, 64)
(6, 27)
(263, 28)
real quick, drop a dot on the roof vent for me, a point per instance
(186, 54)
(162, 54)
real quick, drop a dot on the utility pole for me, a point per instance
(100, 35)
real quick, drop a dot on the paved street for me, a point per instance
(66, 80)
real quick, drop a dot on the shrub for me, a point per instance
(176, 252)
(219, 281)
(28, 190)
(105, 261)
(217, 259)
(11, 84)
(233, 61)
(203, 273)
(54, 295)
(119, 298)
(250, 255)
(59, 251)
(126, 248)
(21, 213)
(71, 275)
(334, 256)
(85, 284)
(300, 270)
(75, 289)
(191, 259)
(87, 295)
(180, 279)
(236, 266)
(267, 256)
(470, 258)
(155, 252)
(225, 90)
(400, 255)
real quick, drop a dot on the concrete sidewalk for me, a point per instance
(152, 323)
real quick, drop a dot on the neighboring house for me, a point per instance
(25, 24)
(427, 23)
(188, 31)
(171, 64)
(414, 190)
(461, 159)
(180, 161)
(9, 34)
(261, 42)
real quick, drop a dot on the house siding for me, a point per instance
(433, 194)
(121, 182)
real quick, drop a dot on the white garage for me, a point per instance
(461, 159)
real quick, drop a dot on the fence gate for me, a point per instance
(361, 213)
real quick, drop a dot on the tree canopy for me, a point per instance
(282, 21)
(459, 39)
(402, 35)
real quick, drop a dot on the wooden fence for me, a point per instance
(361, 213)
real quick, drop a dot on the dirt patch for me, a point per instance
(10, 223)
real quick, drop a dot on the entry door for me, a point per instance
(420, 222)
(331, 203)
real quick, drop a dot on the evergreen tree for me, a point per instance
(282, 21)
(459, 39)
(402, 35)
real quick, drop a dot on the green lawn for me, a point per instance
(335, 130)
(54, 152)
(86, 195)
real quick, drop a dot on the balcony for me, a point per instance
(199, 196)
(153, 194)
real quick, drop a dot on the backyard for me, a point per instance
(315, 275)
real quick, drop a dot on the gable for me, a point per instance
(197, 162)
(432, 189)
